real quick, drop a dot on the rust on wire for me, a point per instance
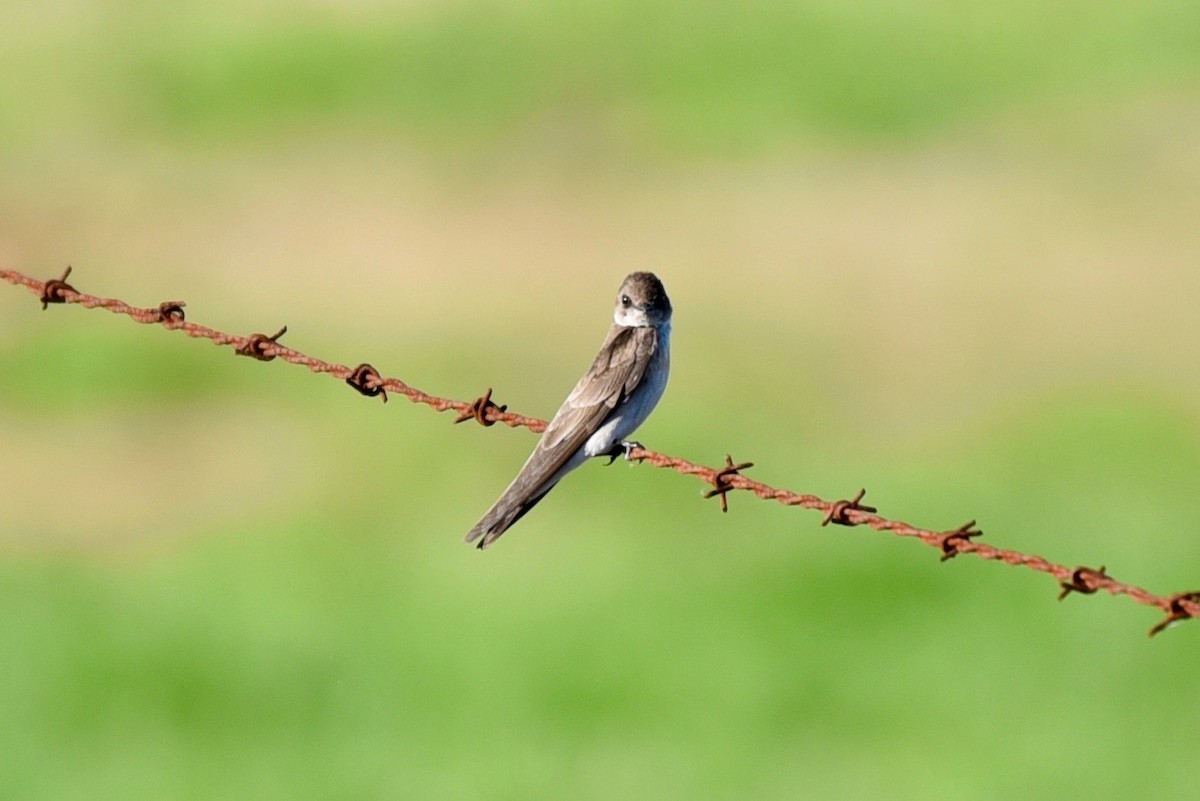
(365, 379)
(951, 541)
(1083, 580)
(478, 410)
(837, 511)
(720, 480)
(1179, 607)
(260, 346)
(52, 290)
(171, 311)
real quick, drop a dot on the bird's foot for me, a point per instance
(625, 449)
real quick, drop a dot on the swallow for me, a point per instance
(615, 396)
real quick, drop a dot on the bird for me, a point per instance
(615, 396)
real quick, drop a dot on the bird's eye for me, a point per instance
(625, 301)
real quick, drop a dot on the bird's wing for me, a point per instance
(613, 376)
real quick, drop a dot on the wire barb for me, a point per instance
(720, 480)
(478, 410)
(365, 379)
(258, 346)
(837, 512)
(52, 290)
(1084, 580)
(951, 541)
(1180, 606)
(171, 311)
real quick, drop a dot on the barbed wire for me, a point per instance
(847, 512)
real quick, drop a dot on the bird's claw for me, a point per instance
(625, 449)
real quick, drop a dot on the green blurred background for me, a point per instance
(947, 253)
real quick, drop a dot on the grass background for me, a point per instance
(947, 254)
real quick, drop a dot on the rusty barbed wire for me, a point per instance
(365, 379)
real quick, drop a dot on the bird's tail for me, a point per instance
(503, 514)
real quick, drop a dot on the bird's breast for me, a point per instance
(627, 417)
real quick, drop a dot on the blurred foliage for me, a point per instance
(708, 77)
